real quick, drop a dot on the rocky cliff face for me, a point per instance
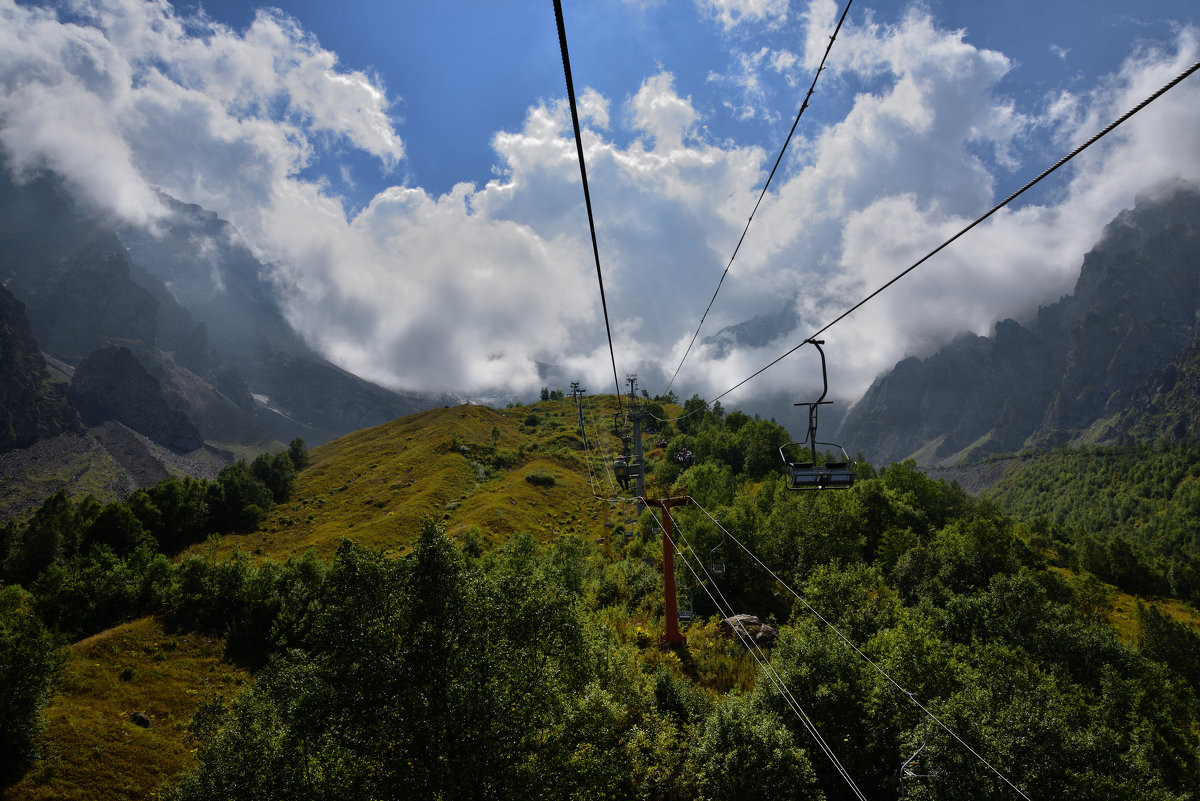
(31, 406)
(1168, 406)
(111, 384)
(1067, 374)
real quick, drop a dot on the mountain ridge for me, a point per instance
(1066, 376)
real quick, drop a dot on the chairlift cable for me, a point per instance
(587, 197)
(912, 697)
(762, 194)
(760, 658)
(588, 457)
(1108, 129)
(763, 662)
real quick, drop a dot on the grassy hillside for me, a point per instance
(95, 750)
(375, 486)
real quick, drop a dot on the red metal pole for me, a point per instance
(671, 634)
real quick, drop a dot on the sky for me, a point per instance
(408, 173)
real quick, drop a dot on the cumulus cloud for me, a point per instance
(479, 288)
(124, 95)
(904, 170)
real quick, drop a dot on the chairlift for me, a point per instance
(715, 564)
(810, 475)
(621, 472)
(686, 611)
(908, 769)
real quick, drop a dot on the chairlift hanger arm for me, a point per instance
(831, 475)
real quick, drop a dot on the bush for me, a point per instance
(532, 420)
(539, 479)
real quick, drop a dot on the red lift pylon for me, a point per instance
(671, 634)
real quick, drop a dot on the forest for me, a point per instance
(912, 620)
(1129, 515)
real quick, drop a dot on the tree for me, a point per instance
(51, 535)
(118, 528)
(277, 472)
(298, 452)
(760, 441)
(1169, 642)
(29, 663)
(695, 415)
(745, 752)
(238, 499)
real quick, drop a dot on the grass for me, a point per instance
(1121, 611)
(375, 486)
(94, 749)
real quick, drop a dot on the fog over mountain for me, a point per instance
(127, 314)
(1110, 362)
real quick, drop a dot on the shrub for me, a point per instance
(539, 479)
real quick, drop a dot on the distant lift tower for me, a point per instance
(578, 393)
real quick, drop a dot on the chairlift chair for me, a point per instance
(686, 611)
(810, 475)
(908, 768)
(716, 567)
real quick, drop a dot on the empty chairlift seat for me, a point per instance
(831, 475)
(810, 475)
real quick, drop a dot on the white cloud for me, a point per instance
(136, 98)
(731, 13)
(662, 114)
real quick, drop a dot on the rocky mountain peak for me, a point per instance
(1056, 378)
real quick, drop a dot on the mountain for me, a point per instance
(1078, 372)
(191, 305)
(757, 332)
(31, 406)
(208, 269)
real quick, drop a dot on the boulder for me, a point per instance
(748, 626)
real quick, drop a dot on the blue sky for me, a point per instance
(407, 169)
(460, 71)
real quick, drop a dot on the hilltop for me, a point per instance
(462, 466)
